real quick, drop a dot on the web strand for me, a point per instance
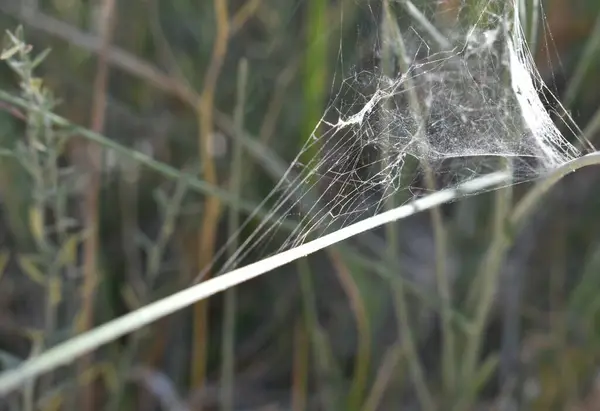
(469, 98)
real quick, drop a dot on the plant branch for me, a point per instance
(92, 159)
(230, 304)
(363, 354)
(69, 351)
(162, 168)
(437, 222)
(212, 204)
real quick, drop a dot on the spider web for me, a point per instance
(460, 98)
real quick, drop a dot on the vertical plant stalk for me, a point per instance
(128, 201)
(328, 375)
(363, 330)
(497, 250)
(488, 272)
(153, 265)
(315, 71)
(592, 128)
(385, 374)
(229, 312)
(439, 231)
(584, 64)
(439, 39)
(212, 204)
(534, 25)
(78, 346)
(406, 338)
(93, 158)
(486, 281)
(300, 371)
(512, 299)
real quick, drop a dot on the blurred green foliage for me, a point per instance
(320, 335)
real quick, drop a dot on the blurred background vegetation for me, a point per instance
(227, 91)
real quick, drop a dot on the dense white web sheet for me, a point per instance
(469, 97)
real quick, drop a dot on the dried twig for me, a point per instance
(91, 160)
(87, 342)
(212, 205)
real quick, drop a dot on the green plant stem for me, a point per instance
(70, 350)
(155, 256)
(327, 372)
(533, 197)
(362, 361)
(591, 129)
(315, 72)
(386, 270)
(439, 231)
(406, 337)
(440, 40)
(589, 57)
(534, 25)
(162, 168)
(488, 280)
(229, 312)
(505, 229)
(300, 367)
(385, 373)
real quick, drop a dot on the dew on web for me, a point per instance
(462, 99)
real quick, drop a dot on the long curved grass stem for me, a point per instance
(70, 350)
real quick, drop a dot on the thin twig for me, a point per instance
(162, 168)
(532, 199)
(300, 368)
(486, 281)
(116, 56)
(244, 14)
(327, 373)
(363, 330)
(212, 204)
(385, 373)
(93, 159)
(406, 337)
(178, 87)
(534, 27)
(412, 10)
(584, 64)
(592, 127)
(154, 258)
(439, 231)
(229, 311)
(84, 343)
(70, 350)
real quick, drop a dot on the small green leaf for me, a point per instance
(55, 291)
(15, 39)
(40, 58)
(68, 251)
(6, 54)
(36, 223)
(29, 267)
(4, 257)
(130, 297)
(36, 84)
(483, 374)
